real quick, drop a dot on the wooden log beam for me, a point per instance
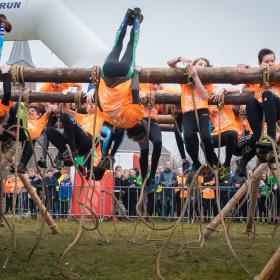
(166, 127)
(212, 226)
(36, 199)
(222, 75)
(162, 98)
(165, 119)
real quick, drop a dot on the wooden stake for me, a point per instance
(271, 270)
(46, 215)
(212, 226)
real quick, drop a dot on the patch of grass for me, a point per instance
(118, 259)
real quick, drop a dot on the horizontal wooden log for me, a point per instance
(162, 98)
(166, 127)
(222, 75)
(165, 119)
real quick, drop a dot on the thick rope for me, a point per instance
(17, 75)
(265, 77)
(215, 171)
(95, 74)
(82, 218)
(13, 233)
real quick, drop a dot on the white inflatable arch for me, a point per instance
(57, 27)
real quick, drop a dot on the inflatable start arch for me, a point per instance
(68, 37)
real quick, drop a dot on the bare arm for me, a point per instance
(191, 70)
(173, 62)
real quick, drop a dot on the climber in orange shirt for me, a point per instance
(201, 94)
(267, 99)
(118, 91)
(34, 122)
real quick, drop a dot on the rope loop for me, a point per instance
(26, 95)
(78, 98)
(265, 77)
(221, 101)
(17, 75)
(150, 99)
(95, 74)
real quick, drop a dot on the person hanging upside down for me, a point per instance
(78, 133)
(266, 99)
(53, 87)
(201, 94)
(118, 91)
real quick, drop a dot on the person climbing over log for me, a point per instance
(266, 99)
(34, 123)
(118, 91)
(201, 94)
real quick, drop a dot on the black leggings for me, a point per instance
(271, 110)
(178, 135)
(229, 140)
(44, 140)
(73, 135)
(113, 67)
(6, 88)
(156, 139)
(191, 137)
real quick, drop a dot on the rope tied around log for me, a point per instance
(78, 98)
(26, 95)
(265, 77)
(221, 101)
(95, 74)
(17, 75)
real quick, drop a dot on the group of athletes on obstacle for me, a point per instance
(119, 97)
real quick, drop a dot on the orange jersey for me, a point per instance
(48, 87)
(5, 109)
(36, 127)
(181, 181)
(208, 193)
(227, 120)
(187, 101)
(117, 107)
(86, 122)
(154, 111)
(258, 89)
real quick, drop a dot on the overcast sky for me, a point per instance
(225, 32)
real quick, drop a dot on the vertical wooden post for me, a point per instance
(46, 215)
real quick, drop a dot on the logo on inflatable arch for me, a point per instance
(10, 5)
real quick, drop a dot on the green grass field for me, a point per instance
(118, 259)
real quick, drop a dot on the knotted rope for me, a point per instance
(265, 76)
(95, 74)
(17, 75)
